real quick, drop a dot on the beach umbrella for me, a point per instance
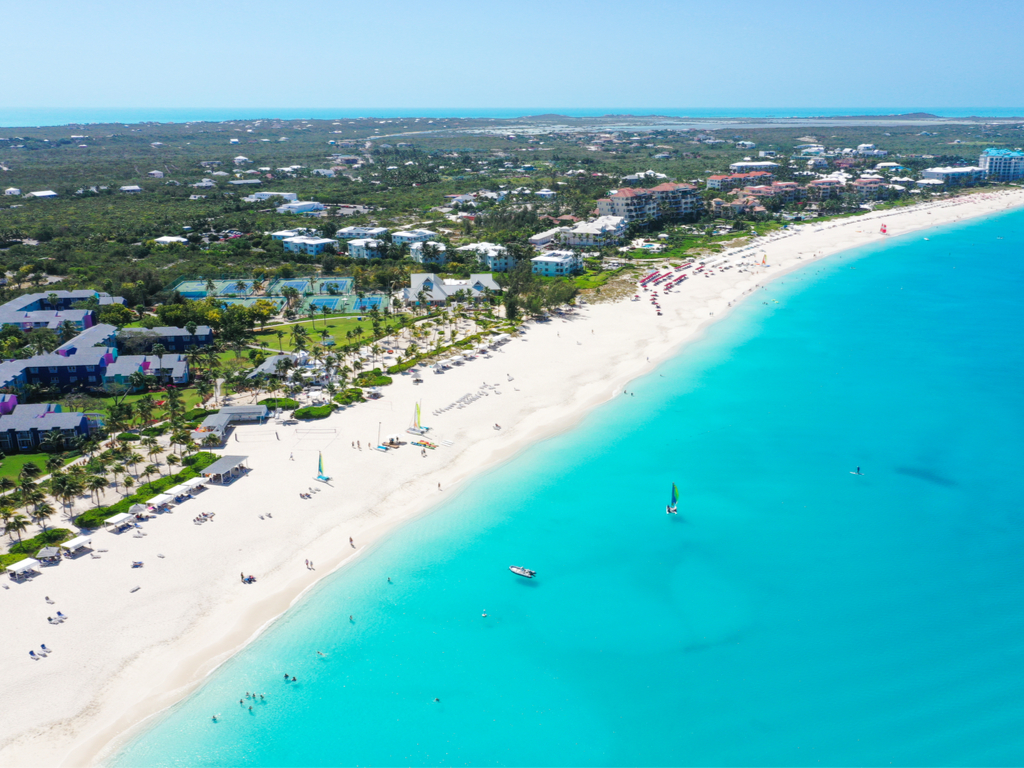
(136, 509)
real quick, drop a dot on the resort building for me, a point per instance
(556, 264)
(255, 197)
(547, 237)
(604, 230)
(820, 189)
(309, 245)
(729, 181)
(965, 176)
(494, 258)
(410, 236)
(365, 248)
(430, 251)
(44, 193)
(219, 423)
(171, 338)
(746, 166)
(14, 191)
(307, 207)
(1002, 164)
(433, 290)
(131, 189)
(166, 369)
(867, 188)
(170, 239)
(28, 425)
(671, 200)
(351, 233)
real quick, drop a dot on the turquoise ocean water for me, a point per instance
(792, 614)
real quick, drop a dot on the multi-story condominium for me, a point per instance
(867, 189)
(965, 176)
(495, 258)
(365, 248)
(169, 337)
(436, 253)
(746, 166)
(604, 230)
(351, 233)
(729, 181)
(556, 263)
(671, 200)
(820, 189)
(411, 236)
(1002, 164)
(309, 245)
(24, 428)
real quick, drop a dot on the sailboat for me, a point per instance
(764, 261)
(320, 469)
(673, 501)
(417, 427)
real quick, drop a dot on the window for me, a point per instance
(33, 370)
(54, 381)
(52, 369)
(92, 378)
(74, 379)
(90, 369)
(72, 368)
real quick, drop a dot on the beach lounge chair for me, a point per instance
(32, 654)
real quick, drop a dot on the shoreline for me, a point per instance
(167, 658)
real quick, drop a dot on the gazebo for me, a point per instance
(225, 469)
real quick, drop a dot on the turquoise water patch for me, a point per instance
(792, 613)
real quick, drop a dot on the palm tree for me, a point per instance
(30, 471)
(280, 336)
(149, 470)
(7, 485)
(44, 512)
(128, 482)
(172, 460)
(16, 524)
(54, 463)
(97, 485)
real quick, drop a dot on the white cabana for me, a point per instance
(195, 482)
(23, 566)
(161, 500)
(77, 543)
(118, 518)
(179, 490)
(137, 509)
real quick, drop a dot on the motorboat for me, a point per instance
(518, 569)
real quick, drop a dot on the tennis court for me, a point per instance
(250, 301)
(299, 284)
(365, 303)
(192, 289)
(333, 303)
(339, 284)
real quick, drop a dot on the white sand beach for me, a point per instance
(124, 655)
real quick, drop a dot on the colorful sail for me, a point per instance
(765, 259)
(417, 424)
(675, 495)
(320, 465)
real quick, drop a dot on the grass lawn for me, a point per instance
(11, 466)
(189, 398)
(336, 326)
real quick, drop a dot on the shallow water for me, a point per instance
(792, 614)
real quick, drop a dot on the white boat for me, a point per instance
(518, 569)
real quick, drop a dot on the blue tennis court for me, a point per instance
(367, 302)
(299, 284)
(339, 284)
(331, 302)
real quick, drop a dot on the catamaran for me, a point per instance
(673, 501)
(417, 427)
(320, 469)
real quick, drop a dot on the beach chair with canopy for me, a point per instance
(77, 543)
(22, 567)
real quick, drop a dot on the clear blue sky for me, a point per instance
(524, 53)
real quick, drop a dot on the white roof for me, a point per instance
(163, 498)
(168, 239)
(178, 490)
(21, 566)
(77, 542)
(195, 481)
(118, 518)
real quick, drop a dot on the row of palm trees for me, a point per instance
(95, 476)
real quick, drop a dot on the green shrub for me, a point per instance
(349, 396)
(372, 378)
(193, 466)
(49, 538)
(280, 402)
(131, 436)
(314, 412)
(155, 431)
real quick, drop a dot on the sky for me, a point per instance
(531, 53)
